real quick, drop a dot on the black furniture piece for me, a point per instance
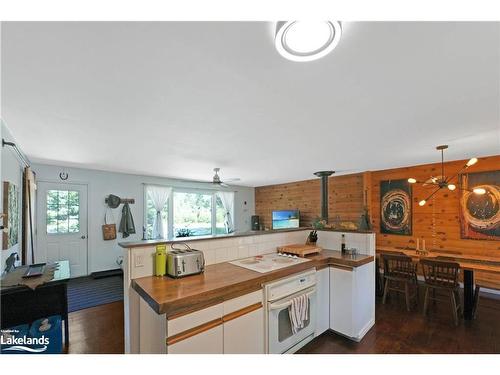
(255, 222)
(22, 305)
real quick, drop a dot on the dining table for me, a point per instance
(468, 265)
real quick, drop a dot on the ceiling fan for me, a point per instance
(217, 181)
(442, 181)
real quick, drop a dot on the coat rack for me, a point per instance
(123, 200)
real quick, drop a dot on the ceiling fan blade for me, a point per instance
(232, 179)
(194, 182)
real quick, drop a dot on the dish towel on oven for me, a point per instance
(298, 312)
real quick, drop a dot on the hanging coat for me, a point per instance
(127, 226)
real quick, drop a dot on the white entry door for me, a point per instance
(62, 225)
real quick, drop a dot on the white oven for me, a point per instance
(280, 337)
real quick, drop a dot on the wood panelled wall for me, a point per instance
(438, 222)
(345, 195)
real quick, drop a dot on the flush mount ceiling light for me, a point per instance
(306, 40)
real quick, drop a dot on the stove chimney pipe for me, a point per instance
(324, 192)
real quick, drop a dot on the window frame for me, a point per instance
(170, 208)
(57, 233)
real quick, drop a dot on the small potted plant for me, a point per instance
(183, 232)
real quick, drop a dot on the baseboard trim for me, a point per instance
(362, 333)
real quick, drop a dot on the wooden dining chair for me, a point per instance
(399, 275)
(442, 276)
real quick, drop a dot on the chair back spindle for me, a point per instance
(439, 273)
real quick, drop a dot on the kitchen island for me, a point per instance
(224, 281)
(152, 303)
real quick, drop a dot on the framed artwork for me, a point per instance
(11, 220)
(480, 214)
(395, 207)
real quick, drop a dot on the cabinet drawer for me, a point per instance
(197, 318)
(244, 301)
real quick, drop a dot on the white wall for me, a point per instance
(103, 254)
(11, 171)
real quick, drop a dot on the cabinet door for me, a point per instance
(341, 294)
(245, 334)
(207, 342)
(323, 301)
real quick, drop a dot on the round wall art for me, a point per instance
(481, 213)
(395, 207)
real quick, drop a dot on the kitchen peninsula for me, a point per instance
(199, 313)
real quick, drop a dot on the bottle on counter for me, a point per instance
(161, 260)
(342, 246)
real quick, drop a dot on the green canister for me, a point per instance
(161, 260)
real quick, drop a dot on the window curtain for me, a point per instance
(159, 196)
(28, 255)
(227, 199)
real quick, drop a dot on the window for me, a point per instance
(63, 211)
(191, 212)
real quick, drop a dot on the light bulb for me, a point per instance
(451, 187)
(479, 191)
(411, 180)
(422, 202)
(471, 162)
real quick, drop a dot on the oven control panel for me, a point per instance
(290, 285)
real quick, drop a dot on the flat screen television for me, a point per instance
(284, 219)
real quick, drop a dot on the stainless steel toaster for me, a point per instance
(184, 261)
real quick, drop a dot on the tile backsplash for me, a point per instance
(227, 249)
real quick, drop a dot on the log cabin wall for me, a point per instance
(345, 199)
(438, 222)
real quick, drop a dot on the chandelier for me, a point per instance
(442, 182)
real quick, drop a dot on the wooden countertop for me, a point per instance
(224, 281)
(129, 244)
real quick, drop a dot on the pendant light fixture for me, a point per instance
(443, 182)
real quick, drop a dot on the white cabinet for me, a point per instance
(323, 298)
(245, 334)
(200, 332)
(235, 326)
(244, 324)
(206, 342)
(352, 300)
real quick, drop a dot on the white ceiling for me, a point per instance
(177, 99)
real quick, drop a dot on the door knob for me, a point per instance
(83, 237)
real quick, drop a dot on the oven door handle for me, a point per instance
(288, 303)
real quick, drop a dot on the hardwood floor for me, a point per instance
(99, 330)
(397, 331)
